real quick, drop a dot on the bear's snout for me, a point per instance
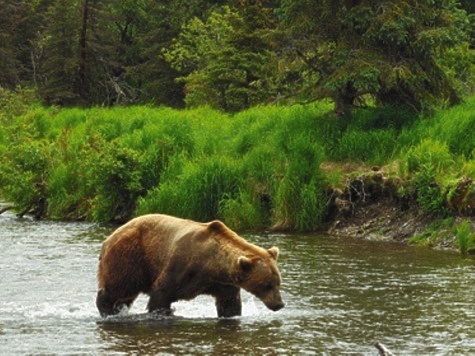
(277, 306)
(274, 301)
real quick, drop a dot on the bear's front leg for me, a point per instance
(104, 303)
(109, 305)
(228, 301)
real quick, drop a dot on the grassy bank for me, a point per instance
(260, 168)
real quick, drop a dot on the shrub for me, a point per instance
(115, 178)
(465, 238)
(299, 201)
(245, 211)
(430, 197)
(428, 153)
(24, 173)
(455, 127)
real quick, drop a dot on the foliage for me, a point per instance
(390, 51)
(428, 153)
(465, 238)
(456, 127)
(24, 175)
(16, 103)
(260, 167)
(60, 47)
(196, 192)
(430, 196)
(221, 61)
(233, 54)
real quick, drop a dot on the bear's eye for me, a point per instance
(268, 286)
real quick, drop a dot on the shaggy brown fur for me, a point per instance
(172, 259)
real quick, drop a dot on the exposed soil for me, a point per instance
(370, 207)
(380, 220)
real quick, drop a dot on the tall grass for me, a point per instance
(196, 190)
(465, 238)
(255, 169)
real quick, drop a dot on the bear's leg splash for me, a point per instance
(107, 305)
(228, 301)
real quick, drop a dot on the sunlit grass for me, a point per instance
(254, 169)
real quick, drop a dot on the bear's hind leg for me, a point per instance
(160, 302)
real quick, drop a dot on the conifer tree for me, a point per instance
(390, 51)
(59, 70)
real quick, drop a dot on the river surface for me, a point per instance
(342, 296)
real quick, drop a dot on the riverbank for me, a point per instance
(371, 207)
(379, 173)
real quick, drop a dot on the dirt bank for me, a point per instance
(369, 205)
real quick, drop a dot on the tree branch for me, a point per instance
(6, 208)
(383, 351)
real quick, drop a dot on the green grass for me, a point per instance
(465, 238)
(254, 169)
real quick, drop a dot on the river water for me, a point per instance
(342, 296)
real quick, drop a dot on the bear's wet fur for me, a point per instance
(173, 259)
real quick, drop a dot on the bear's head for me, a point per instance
(260, 276)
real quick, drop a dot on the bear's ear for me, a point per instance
(245, 263)
(216, 227)
(274, 252)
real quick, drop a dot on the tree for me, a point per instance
(9, 11)
(222, 60)
(60, 66)
(112, 45)
(468, 5)
(389, 51)
(20, 23)
(154, 76)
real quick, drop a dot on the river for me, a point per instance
(342, 295)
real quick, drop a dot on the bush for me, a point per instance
(245, 211)
(24, 173)
(256, 168)
(455, 127)
(465, 238)
(430, 196)
(428, 153)
(299, 201)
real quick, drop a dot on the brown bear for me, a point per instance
(173, 259)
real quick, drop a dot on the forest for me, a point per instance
(266, 114)
(235, 54)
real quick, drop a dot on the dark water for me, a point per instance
(342, 296)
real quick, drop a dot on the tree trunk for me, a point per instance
(83, 52)
(344, 100)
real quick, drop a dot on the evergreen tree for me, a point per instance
(9, 13)
(59, 70)
(153, 75)
(112, 45)
(390, 51)
(20, 24)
